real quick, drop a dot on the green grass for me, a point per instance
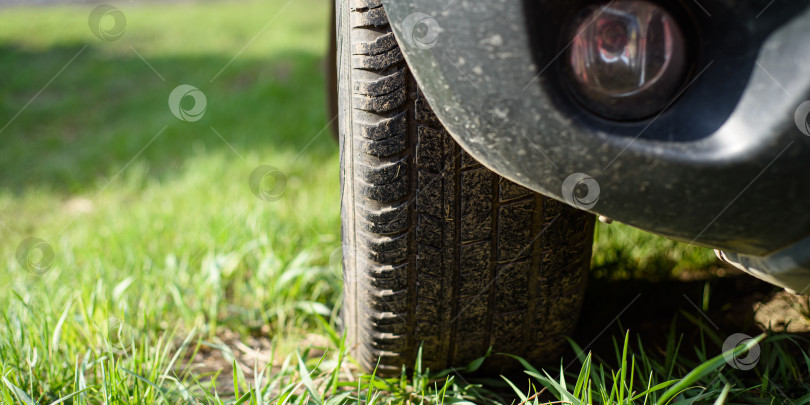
(163, 255)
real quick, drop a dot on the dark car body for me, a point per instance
(725, 164)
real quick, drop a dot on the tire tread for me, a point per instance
(444, 256)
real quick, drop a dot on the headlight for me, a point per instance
(626, 59)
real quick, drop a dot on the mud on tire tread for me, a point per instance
(438, 250)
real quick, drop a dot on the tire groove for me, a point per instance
(493, 264)
(413, 247)
(457, 200)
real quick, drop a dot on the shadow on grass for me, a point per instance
(651, 310)
(648, 309)
(104, 110)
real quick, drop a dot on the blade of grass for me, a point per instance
(307, 380)
(20, 394)
(706, 368)
(723, 395)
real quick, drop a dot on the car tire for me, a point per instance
(439, 252)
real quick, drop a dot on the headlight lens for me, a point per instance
(627, 59)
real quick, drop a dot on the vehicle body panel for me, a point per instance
(724, 165)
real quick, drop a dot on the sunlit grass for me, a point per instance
(152, 220)
(621, 251)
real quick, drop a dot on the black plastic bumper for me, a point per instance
(724, 165)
